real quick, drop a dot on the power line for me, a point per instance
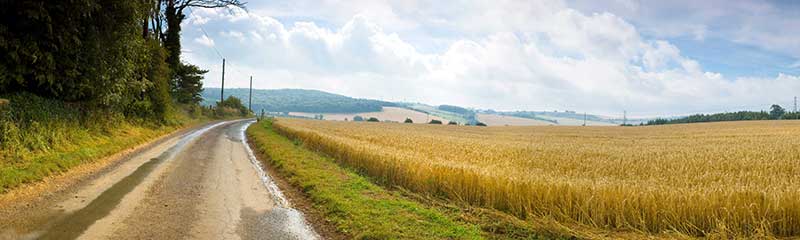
(191, 13)
(219, 53)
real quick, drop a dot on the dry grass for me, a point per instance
(735, 179)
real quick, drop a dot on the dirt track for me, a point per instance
(199, 185)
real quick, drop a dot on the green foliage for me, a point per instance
(452, 123)
(299, 100)
(776, 111)
(158, 73)
(358, 118)
(434, 121)
(232, 106)
(408, 120)
(719, 117)
(172, 38)
(70, 49)
(534, 115)
(480, 124)
(41, 136)
(188, 84)
(455, 109)
(791, 115)
(373, 119)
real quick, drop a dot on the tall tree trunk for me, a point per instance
(172, 42)
(145, 28)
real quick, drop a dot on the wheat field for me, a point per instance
(733, 179)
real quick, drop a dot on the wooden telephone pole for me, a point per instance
(250, 102)
(222, 89)
(584, 118)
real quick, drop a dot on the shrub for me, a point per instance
(434, 121)
(452, 123)
(408, 120)
(480, 124)
(231, 106)
(358, 118)
(373, 119)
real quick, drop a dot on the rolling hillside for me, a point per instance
(298, 100)
(394, 114)
(310, 103)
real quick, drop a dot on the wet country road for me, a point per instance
(204, 184)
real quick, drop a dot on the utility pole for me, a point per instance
(584, 118)
(624, 117)
(250, 103)
(222, 89)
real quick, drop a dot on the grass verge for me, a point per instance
(359, 208)
(42, 137)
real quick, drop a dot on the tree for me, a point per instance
(188, 86)
(776, 111)
(174, 15)
(82, 50)
(232, 103)
(358, 118)
(434, 121)
(158, 74)
(408, 120)
(373, 119)
(452, 123)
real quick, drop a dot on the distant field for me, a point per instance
(498, 120)
(434, 111)
(577, 122)
(723, 180)
(396, 114)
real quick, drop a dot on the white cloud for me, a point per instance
(763, 24)
(504, 55)
(205, 41)
(234, 34)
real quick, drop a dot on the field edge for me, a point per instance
(490, 224)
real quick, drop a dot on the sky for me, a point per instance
(649, 58)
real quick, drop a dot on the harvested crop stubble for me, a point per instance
(723, 179)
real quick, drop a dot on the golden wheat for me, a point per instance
(721, 179)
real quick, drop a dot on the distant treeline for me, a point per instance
(455, 109)
(299, 100)
(529, 115)
(776, 112)
(467, 114)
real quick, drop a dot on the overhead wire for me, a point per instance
(229, 64)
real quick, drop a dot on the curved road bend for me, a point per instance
(204, 184)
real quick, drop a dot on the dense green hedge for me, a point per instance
(89, 51)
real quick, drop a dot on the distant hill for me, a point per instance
(298, 100)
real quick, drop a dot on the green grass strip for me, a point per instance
(47, 164)
(355, 205)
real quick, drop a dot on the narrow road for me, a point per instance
(204, 184)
